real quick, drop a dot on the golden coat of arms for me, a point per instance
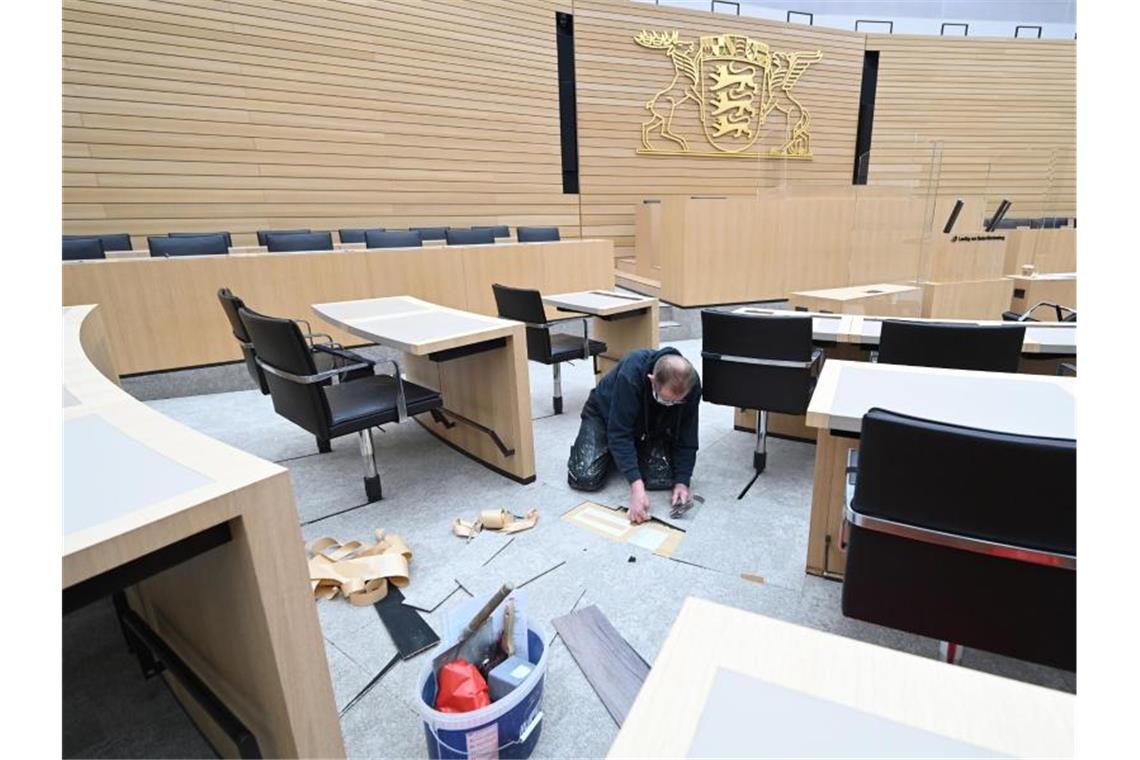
(735, 82)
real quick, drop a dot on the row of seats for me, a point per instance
(76, 247)
(946, 535)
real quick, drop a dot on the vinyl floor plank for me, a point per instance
(614, 669)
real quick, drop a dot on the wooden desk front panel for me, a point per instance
(1047, 250)
(164, 313)
(1030, 290)
(979, 299)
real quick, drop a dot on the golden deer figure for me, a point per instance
(782, 74)
(683, 87)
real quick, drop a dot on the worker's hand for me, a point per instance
(680, 494)
(638, 502)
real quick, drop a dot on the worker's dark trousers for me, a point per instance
(591, 461)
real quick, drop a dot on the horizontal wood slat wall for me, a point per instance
(616, 77)
(1004, 110)
(252, 114)
(255, 114)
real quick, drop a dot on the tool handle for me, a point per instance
(488, 608)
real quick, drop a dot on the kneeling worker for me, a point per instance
(642, 417)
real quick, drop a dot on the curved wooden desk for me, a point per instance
(163, 313)
(137, 487)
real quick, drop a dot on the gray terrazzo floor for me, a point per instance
(427, 485)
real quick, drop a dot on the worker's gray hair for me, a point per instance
(674, 371)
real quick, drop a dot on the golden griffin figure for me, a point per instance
(735, 82)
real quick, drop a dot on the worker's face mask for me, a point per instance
(662, 400)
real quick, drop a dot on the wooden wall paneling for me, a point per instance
(1047, 250)
(327, 114)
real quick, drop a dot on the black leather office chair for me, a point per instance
(989, 348)
(964, 535)
(1064, 313)
(116, 242)
(84, 248)
(766, 363)
(543, 346)
(262, 234)
(300, 393)
(199, 245)
(298, 241)
(393, 239)
(537, 234)
(431, 233)
(357, 236)
(327, 355)
(457, 236)
(226, 235)
(499, 231)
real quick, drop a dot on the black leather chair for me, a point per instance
(300, 392)
(199, 245)
(1064, 313)
(393, 239)
(499, 231)
(537, 234)
(989, 348)
(457, 236)
(964, 535)
(1067, 369)
(766, 363)
(543, 346)
(431, 233)
(261, 234)
(327, 355)
(83, 248)
(298, 241)
(226, 235)
(357, 236)
(117, 242)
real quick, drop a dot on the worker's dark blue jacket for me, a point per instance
(624, 397)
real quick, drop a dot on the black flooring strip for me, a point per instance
(334, 514)
(375, 680)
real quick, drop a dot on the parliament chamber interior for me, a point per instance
(570, 378)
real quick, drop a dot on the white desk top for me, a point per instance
(131, 473)
(1040, 337)
(1040, 405)
(939, 709)
(830, 328)
(411, 325)
(601, 303)
(854, 292)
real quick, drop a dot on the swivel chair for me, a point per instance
(300, 392)
(499, 230)
(83, 248)
(431, 233)
(262, 234)
(543, 346)
(537, 234)
(197, 245)
(357, 236)
(457, 236)
(964, 535)
(298, 241)
(392, 239)
(115, 242)
(1063, 313)
(987, 348)
(327, 355)
(767, 363)
(226, 235)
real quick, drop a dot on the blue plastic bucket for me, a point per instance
(508, 728)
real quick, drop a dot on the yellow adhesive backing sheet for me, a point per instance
(360, 571)
(614, 524)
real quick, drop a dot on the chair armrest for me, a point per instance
(319, 377)
(585, 337)
(310, 335)
(401, 398)
(816, 362)
(340, 351)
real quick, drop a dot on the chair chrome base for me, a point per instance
(760, 454)
(557, 388)
(371, 475)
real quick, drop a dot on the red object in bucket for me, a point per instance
(461, 688)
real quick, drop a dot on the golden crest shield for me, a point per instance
(732, 75)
